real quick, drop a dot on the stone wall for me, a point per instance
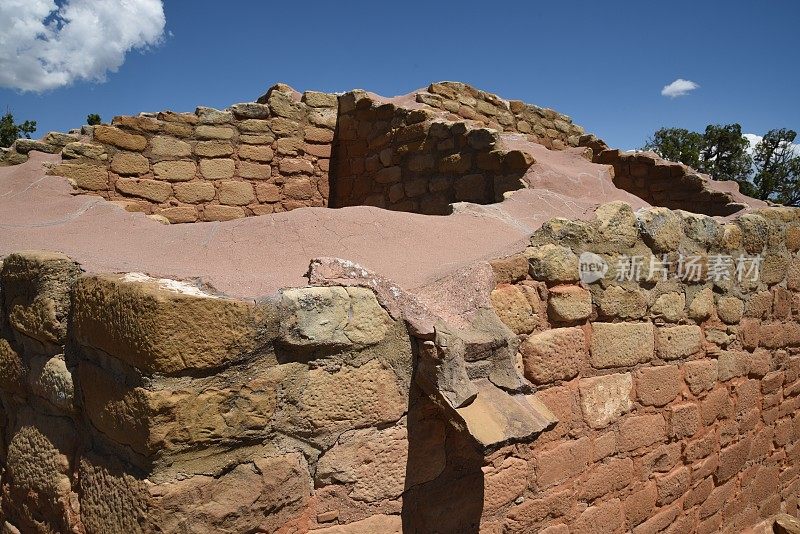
(542, 125)
(251, 159)
(677, 398)
(662, 183)
(509, 398)
(410, 160)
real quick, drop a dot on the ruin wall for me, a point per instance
(660, 404)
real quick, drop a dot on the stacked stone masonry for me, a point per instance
(133, 404)
(410, 160)
(251, 159)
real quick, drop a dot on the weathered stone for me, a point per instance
(375, 524)
(212, 116)
(169, 147)
(51, 380)
(179, 214)
(553, 355)
(256, 152)
(254, 171)
(553, 263)
(604, 399)
(316, 99)
(268, 193)
(702, 305)
(216, 212)
(84, 150)
(659, 385)
(700, 375)
(513, 304)
(116, 137)
(250, 110)
(215, 132)
(617, 223)
(161, 325)
(213, 149)
(217, 169)
(89, 177)
(569, 303)
(625, 303)
(678, 341)
(293, 166)
(175, 171)
(661, 228)
(730, 309)
(332, 316)
(232, 193)
(195, 192)
(669, 306)
(129, 163)
(12, 370)
(621, 344)
(154, 190)
(37, 292)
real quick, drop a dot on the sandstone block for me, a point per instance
(658, 386)
(216, 212)
(564, 461)
(153, 190)
(195, 192)
(318, 135)
(129, 163)
(179, 214)
(669, 306)
(299, 188)
(163, 146)
(213, 149)
(294, 166)
(13, 374)
(84, 150)
(513, 305)
(624, 303)
(316, 99)
(553, 263)
(617, 223)
(511, 269)
(215, 132)
(161, 326)
(604, 399)
(254, 171)
(175, 171)
(37, 293)
(250, 110)
(232, 193)
(118, 138)
(661, 228)
(332, 316)
(218, 168)
(388, 175)
(83, 176)
(569, 303)
(553, 355)
(212, 116)
(268, 193)
(621, 344)
(256, 152)
(676, 342)
(641, 431)
(702, 305)
(264, 127)
(50, 379)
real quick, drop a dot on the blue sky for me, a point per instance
(603, 63)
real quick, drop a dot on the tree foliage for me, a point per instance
(93, 119)
(777, 167)
(771, 173)
(10, 131)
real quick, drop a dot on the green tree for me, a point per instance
(677, 144)
(93, 119)
(777, 167)
(10, 131)
(724, 154)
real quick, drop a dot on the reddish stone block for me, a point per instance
(732, 459)
(716, 501)
(716, 405)
(705, 468)
(601, 519)
(564, 461)
(700, 447)
(659, 521)
(661, 460)
(640, 504)
(699, 493)
(658, 386)
(640, 431)
(528, 516)
(747, 395)
(604, 446)
(684, 420)
(673, 485)
(605, 478)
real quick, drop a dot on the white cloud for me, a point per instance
(679, 87)
(754, 139)
(44, 45)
